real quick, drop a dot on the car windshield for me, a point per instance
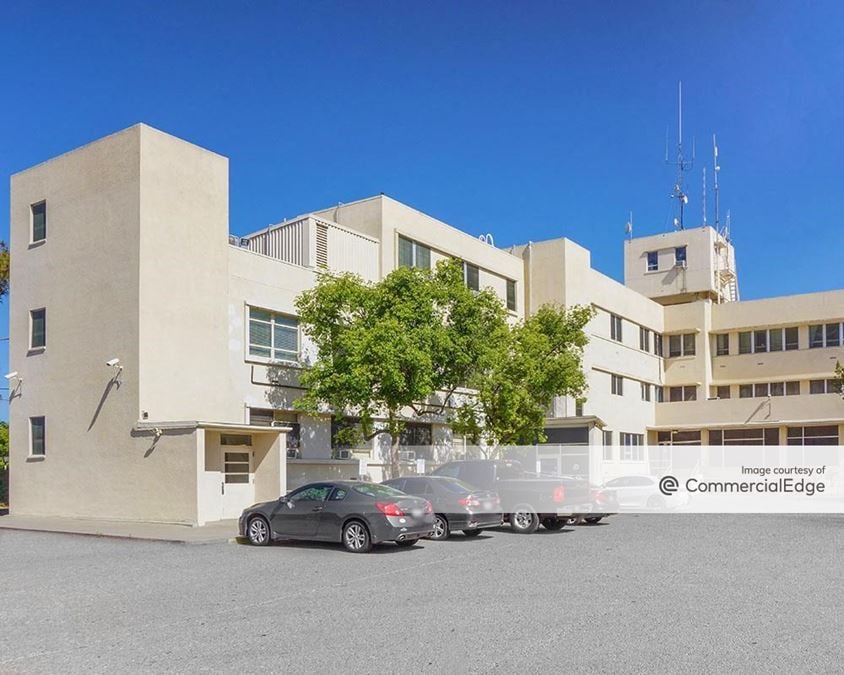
(375, 490)
(457, 486)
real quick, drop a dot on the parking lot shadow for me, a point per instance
(336, 548)
(504, 529)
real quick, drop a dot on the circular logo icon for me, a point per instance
(668, 485)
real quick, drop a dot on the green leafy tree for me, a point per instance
(839, 377)
(396, 348)
(4, 270)
(541, 359)
(4, 446)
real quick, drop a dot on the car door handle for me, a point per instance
(318, 508)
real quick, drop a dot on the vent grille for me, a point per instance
(321, 245)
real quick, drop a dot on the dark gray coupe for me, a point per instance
(356, 513)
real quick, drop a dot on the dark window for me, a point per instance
(415, 434)
(617, 385)
(833, 334)
(578, 407)
(37, 428)
(722, 344)
(723, 391)
(644, 339)
(38, 328)
(791, 340)
(653, 261)
(608, 444)
(659, 394)
(646, 391)
(675, 345)
(775, 342)
(716, 437)
(826, 435)
(472, 274)
(816, 336)
(39, 221)
(690, 393)
(689, 344)
(792, 388)
(745, 342)
(615, 327)
(777, 388)
(760, 341)
(657, 344)
(817, 386)
(413, 254)
(680, 255)
(745, 390)
(235, 439)
(511, 295)
(312, 493)
(760, 390)
(675, 394)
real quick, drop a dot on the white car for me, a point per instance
(641, 492)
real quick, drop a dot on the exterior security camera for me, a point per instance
(113, 362)
(12, 375)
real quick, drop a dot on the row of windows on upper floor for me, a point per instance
(683, 344)
(781, 339)
(749, 342)
(673, 394)
(413, 254)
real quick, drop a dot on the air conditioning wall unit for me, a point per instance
(681, 264)
(407, 455)
(344, 454)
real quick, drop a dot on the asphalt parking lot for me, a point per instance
(639, 594)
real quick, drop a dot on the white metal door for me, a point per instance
(237, 487)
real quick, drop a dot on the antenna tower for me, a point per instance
(681, 163)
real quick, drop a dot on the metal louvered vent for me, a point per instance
(321, 245)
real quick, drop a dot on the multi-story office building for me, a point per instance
(156, 358)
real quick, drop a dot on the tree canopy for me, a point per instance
(400, 348)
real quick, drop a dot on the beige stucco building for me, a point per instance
(155, 357)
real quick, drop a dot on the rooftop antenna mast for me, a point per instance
(681, 163)
(703, 196)
(628, 227)
(717, 168)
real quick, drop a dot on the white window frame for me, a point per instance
(616, 328)
(32, 347)
(632, 447)
(31, 449)
(616, 385)
(272, 358)
(32, 239)
(414, 248)
(648, 267)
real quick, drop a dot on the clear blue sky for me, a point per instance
(527, 120)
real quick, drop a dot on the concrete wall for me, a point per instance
(87, 276)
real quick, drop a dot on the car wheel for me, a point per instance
(524, 520)
(441, 530)
(407, 543)
(553, 524)
(656, 502)
(258, 531)
(471, 533)
(356, 537)
(594, 519)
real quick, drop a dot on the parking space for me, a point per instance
(640, 593)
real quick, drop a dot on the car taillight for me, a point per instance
(599, 496)
(429, 508)
(559, 494)
(471, 500)
(389, 508)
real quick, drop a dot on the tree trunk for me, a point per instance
(393, 467)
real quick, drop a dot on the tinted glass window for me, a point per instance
(456, 486)
(338, 494)
(375, 490)
(313, 493)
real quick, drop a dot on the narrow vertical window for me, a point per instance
(37, 445)
(722, 344)
(405, 252)
(816, 336)
(39, 221)
(511, 295)
(791, 339)
(760, 341)
(745, 342)
(38, 328)
(775, 342)
(615, 327)
(680, 255)
(472, 276)
(644, 339)
(833, 334)
(653, 261)
(617, 385)
(658, 348)
(675, 345)
(689, 344)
